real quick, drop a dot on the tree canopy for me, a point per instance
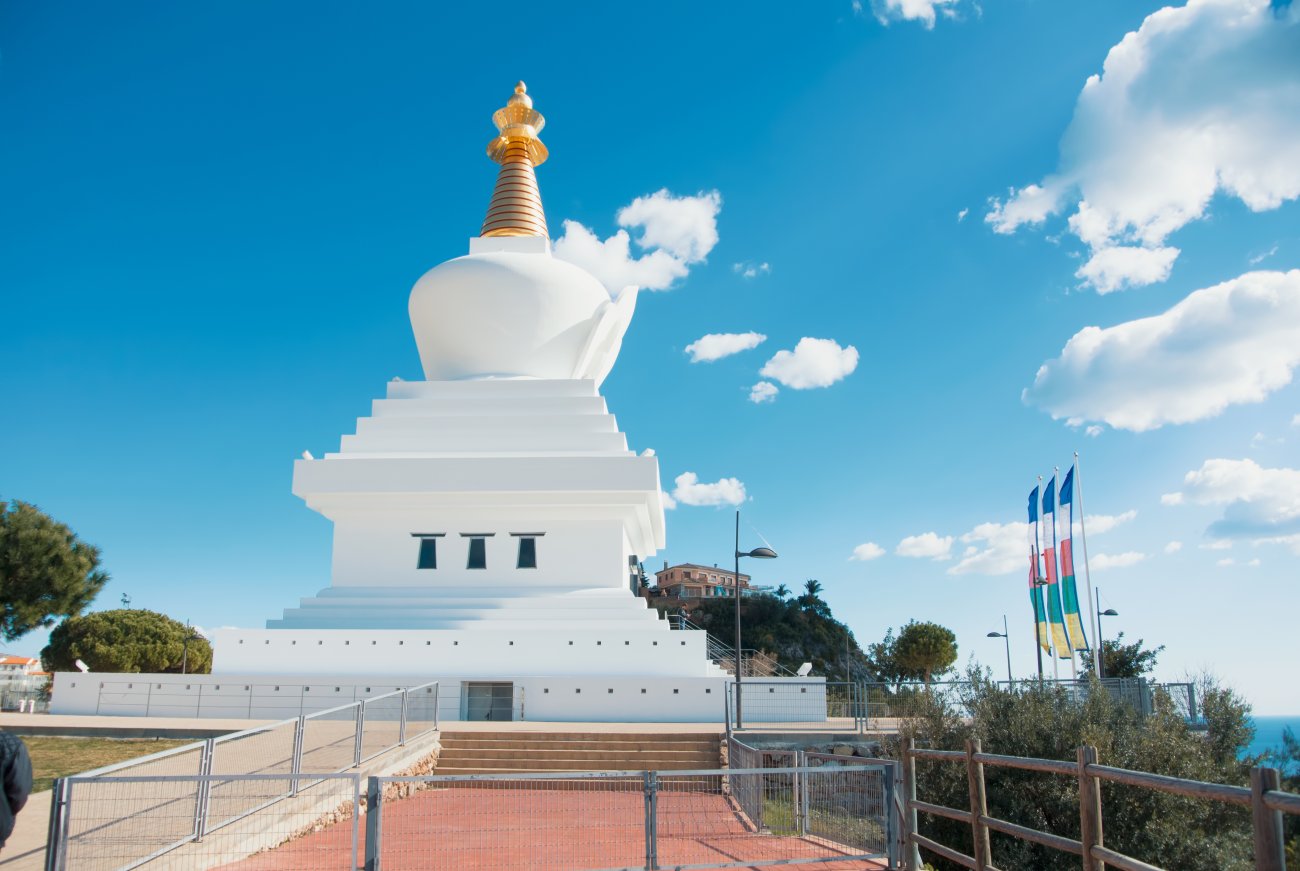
(127, 641)
(923, 650)
(46, 572)
(1122, 660)
(794, 631)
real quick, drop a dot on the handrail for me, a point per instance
(1238, 795)
(1267, 802)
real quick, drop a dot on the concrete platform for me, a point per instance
(70, 726)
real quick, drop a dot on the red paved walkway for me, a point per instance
(474, 829)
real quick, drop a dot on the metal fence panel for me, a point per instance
(120, 823)
(806, 815)
(567, 822)
(795, 705)
(328, 741)
(421, 710)
(381, 719)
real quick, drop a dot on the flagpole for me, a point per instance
(1083, 535)
(1036, 588)
(1056, 554)
(1051, 646)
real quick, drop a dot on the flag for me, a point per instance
(1069, 591)
(1060, 640)
(1036, 578)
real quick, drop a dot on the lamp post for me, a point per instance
(758, 553)
(1101, 648)
(1005, 635)
(190, 635)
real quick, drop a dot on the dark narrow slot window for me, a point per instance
(428, 558)
(428, 554)
(527, 553)
(477, 554)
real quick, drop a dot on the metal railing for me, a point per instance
(794, 705)
(880, 799)
(886, 701)
(1267, 804)
(297, 753)
(627, 820)
(753, 663)
(126, 822)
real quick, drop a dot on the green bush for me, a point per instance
(1044, 721)
(127, 641)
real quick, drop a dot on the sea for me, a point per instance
(1268, 733)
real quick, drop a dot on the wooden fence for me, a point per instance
(1266, 802)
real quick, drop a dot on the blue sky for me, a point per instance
(211, 218)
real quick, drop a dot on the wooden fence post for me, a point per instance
(979, 807)
(1089, 810)
(1270, 853)
(911, 852)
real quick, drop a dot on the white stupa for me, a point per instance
(489, 520)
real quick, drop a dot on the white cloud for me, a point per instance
(1102, 523)
(961, 216)
(1262, 256)
(1226, 561)
(725, 491)
(924, 11)
(1102, 561)
(685, 227)
(674, 233)
(669, 502)
(763, 391)
(1202, 98)
(1295, 421)
(751, 270)
(1171, 499)
(1119, 267)
(1173, 547)
(927, 545)
(867, 552)
(812, 363)
(1216, 544)
(1254, 563)
(715, 346)
(1260, 504)
(1232, 343)
(1093, 431)
(994, 549)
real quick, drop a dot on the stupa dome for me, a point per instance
(509, 308)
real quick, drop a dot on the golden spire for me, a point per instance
(516, 207)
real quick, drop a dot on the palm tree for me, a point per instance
(812, 587)
(781, 591)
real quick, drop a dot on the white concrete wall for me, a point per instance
(578, 548)
(539, 698)
(476, 653)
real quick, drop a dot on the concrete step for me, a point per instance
(624, 747)
(504, 752)
(449, 733)
(562, 764)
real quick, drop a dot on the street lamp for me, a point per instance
(1005, 635)
(757, 553)
(1109, 612)
(190, 635)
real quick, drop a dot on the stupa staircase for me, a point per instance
(472, 752)
(755, 663)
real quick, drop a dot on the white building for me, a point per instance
(488, 521)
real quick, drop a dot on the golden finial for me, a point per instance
(516, 206)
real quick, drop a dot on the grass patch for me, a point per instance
(60, 757)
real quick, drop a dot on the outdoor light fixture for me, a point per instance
(1005, 635)
(1109, 612)
(757, 553)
